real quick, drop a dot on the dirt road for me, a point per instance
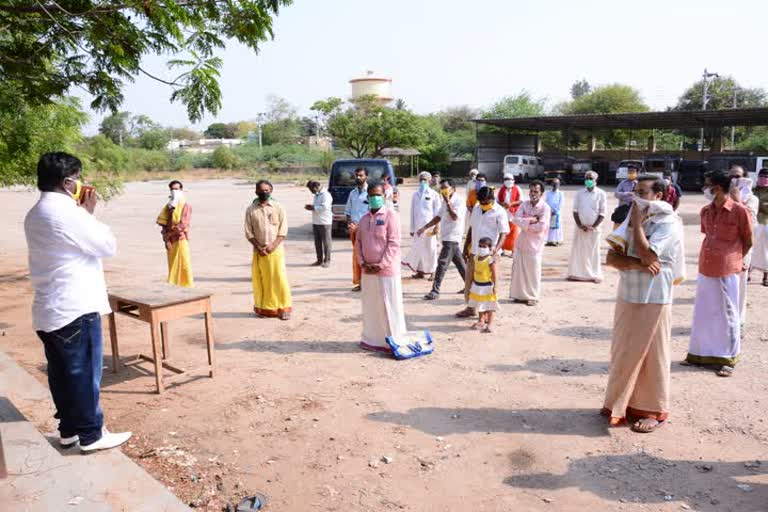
(487, 423)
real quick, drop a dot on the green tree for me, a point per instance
(185, 134)
(220, 131)
(116, 127)
(456, 119)
(27, 131)
(48, 47)
(608, 99)
(580, 88)
(519, 105)
(156, 138)
(365, 127)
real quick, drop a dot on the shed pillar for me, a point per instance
(652, 144)
(592, 146)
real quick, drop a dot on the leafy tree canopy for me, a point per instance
(721, 94)
(580, 88)
(47, 47)
(608, 99)
(519, 105)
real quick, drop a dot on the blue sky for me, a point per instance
(441, 53)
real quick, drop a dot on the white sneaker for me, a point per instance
(69, 442)
(108, 440)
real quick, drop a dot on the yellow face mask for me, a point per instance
(486, 207)
(445, 191)
(78, 190)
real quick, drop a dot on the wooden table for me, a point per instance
(157, 305)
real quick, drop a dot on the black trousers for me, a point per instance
(322, 242)
(450, 252)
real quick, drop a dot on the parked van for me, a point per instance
(751, 162)
(523, 167)
(341, 181)
(690, 174)
(578, 170)
(657, 165)
(621, 170)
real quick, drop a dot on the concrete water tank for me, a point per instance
(371, 85)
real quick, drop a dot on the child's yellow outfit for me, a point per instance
(481, 295)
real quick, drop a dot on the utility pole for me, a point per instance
(705, 99)
(733, 128)
(259, 122)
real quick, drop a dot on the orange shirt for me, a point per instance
(727, 230)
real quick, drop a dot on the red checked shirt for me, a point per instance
(727, 230)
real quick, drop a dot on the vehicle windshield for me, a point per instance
(627, 163)
(511, 160)
(344, 173)
(655, 165)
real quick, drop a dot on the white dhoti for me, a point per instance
(760, 248)
(383, 314)
(423, 254)
(743, 289)
(526, 276)
(716, 331)
(584, 263)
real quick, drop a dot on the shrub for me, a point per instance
(224, 158)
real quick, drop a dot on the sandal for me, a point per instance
(530, 303)
(644, 425)
(725, 371)
(477, 325)
(465, 313)
(765, 280)
(486, 329)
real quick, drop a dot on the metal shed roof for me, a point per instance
(637, 120)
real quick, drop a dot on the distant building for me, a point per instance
(202, 145)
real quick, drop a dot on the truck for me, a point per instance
(341, 181)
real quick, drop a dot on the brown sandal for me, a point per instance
(645, 428)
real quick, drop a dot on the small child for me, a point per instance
(482, 292)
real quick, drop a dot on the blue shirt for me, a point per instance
(357, 204)
(625, 192)
(640, 287)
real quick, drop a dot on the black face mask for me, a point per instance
(263, 196)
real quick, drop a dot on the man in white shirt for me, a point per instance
(66, 244)
(451, 220)
(425, 204)
(488, 219)
(322, 219)
(588, 212)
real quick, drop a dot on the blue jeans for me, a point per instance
(74, 355)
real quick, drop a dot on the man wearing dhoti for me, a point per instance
(741, 192)
(588, 213)
(760, 251)
(425, 205)
(533, 220)
(727, 227)
(555, 199)
(510, 199)
(175, 219)
(266, 229)
(639, 380)
(378, 252)
(487, 220)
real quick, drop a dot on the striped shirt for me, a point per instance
(640, 287)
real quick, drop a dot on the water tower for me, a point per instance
(371, 85)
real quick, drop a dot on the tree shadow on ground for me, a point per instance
(583, 331)
(294, 347)
(441, 421)
(643, 478)
(240, 279)
(557, 367)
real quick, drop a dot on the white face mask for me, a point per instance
(509, 183)
(175, 197)
(709, 194)
(483, 251)
(642, 204)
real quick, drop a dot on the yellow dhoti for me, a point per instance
(180, 264)
(271, 291)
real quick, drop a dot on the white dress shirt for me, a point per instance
(66, 244)
(425, 206)
(322, 214)
(452, 230)
(491, 224)
(590, 205)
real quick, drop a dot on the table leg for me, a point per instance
(166, 339)
(157, 356)
(113, 342)
(209, 339)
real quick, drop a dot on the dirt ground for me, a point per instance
(487, 423)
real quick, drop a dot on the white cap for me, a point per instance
(424, 175)
(509, 177)
(474, 172)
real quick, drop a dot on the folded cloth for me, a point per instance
(412, 344)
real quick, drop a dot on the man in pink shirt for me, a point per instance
(533, 220)
(378, 253)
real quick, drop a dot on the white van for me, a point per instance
(523, 167)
